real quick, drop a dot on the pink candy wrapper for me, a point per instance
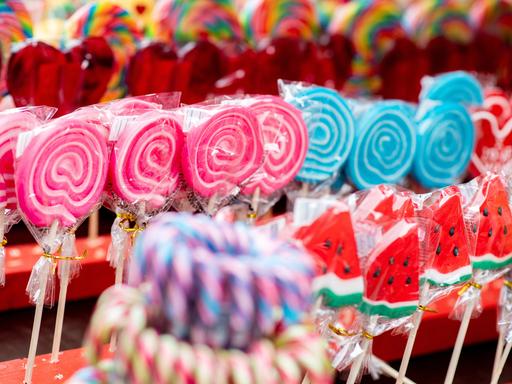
(60, 173)
(12, 123)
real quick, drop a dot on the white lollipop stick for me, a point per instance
(502, 363)
(64, 266)
(389, 370)
(358, 363)
(460, 341)
(416, 320)
(499, 352)
(36, 328)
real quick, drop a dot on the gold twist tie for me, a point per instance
(340, 331)
(507, 283)
(251, 215)
(4, 242)
(468, 285)
(424, 308)
(55, 258)
(132, 226)
(367, 335)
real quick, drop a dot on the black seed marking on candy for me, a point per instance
(486, 212)
(455, 251)
(500, 211)
(346, 269)
(339, 249)
(475, 228)
(408, 281)
(505, 230)
(452, 231)
(327, 244)
(438, 250)
(391, 260)
(390, 280)
(490, 232)
(437, 228)
(406, 261)
(377, 272)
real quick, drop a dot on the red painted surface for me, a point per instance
(96, 275)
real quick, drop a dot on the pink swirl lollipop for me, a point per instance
(223, 152)
(3, 194)
(61, 173)
(132, 106)
(145, 162)
(11, 125)
(285, 137)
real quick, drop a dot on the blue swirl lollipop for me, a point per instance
(330, 125)
(453, 87)
(384, 146)
(446, 138)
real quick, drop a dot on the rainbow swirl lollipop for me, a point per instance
(15, 26)
(427, 19)
(372, 26)
(118, 27)
(494, 17)
(215, 20)
(279, 18)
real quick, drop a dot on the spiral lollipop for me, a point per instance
(456, 87)
(266, 19)
(493, 17)
(61, 174)
(12, 123)
(118, 27)
(427, 19)
(60, 177)
(285, 138)
(223, 152)
(384, 146)
(15, 26)
(199, 19)
(144, 165)
(331, 132)
(446, 138)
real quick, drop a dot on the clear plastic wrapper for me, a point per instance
(223, 149)
(390, 253)
(505, 309)
(447, 264)
(331, 129)
(384, 144)
(12, 123)
(144, 174)
(285, 144)
(60, 173)
(458, 86)
(489, 218)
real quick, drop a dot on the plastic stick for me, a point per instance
(499, 351)
(358, 363)
(389, 370)
(59, 322)
(416, 321)
(502, 363)
(460, 341)
(36, 327)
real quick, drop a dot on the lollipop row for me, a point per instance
(398, 252)
(371, 47)
(383, 141)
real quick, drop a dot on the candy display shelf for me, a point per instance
(95, 275)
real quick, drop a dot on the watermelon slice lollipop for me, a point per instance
(493, 227)
(449, 262)
(330, 239)
(391, 277)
